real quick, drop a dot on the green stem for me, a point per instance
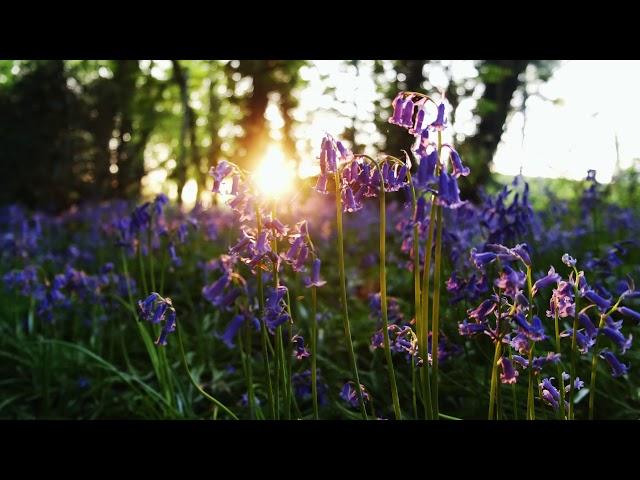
(263, 326)
(530, 399)
(494, 379)
(314, 350)
(559, 366)
(435, 331)
(594, 369)
(574, 351)
(250, 390)
(383, 301)
(423, 340)
(343, 291)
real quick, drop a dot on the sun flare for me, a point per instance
(275, 174)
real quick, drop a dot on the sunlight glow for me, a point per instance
(190, 193)
(274, 176)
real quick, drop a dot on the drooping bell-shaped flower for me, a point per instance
(623, 343)
(618, 369)
(549, 279)
(458, 169)
(439, 123)
(426, 170)
(314, 280)
(509, 374)
(398, 109)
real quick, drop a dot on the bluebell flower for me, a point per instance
(349, 201)
(219, 173)
(214, 292)
(627, 312)
(458, 169)
(230, 333)
(470, 329)
(568, 260)
(426, 170)
(562, 300)
(602, 303)
(549, 279)
(448, 191)
(520, 343)
(509, 374)
(534, 330)
(618, 369)
(275, 313)
(549, 394)
(588, 325)
(623, 343)
(300, 350)
(481, 260)
(511, 281)
(350, 395)
(168, 327)
(398, 110)
(583, 341)
(483, 310)
(407, 113)
(439, 123)
(314, 280)
(539, 362)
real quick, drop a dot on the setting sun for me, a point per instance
(275, 174)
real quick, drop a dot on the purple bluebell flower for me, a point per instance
(510, 280)
(618, 369)
(520, 342)
(231, 331)
(583, 341)
(549, 394)
(302, 386)
(345, 153)
(602, 303)
(419, 126)
(483, 310)
(522, 251)
(520, 360)
(533, 331)
(549, 279)
(627, 312)
(448, 191)
(407, 113)
(577, 384)
(147, 305)
(458, 169)
(215, 291)
(276, 226)
(509, 374)
(349, 202)
(568, 260)
(350, 395)
(588, 325)
(275, 313)
(426, 170)
(398, 109)
(562, 301)
(314, 280)
(168, 327)
(481, 260)
(539, 362)
(623, 343)
(469, 329)
(439, 123)
(219, 173)
(300, 350)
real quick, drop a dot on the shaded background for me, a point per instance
(100, 129)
